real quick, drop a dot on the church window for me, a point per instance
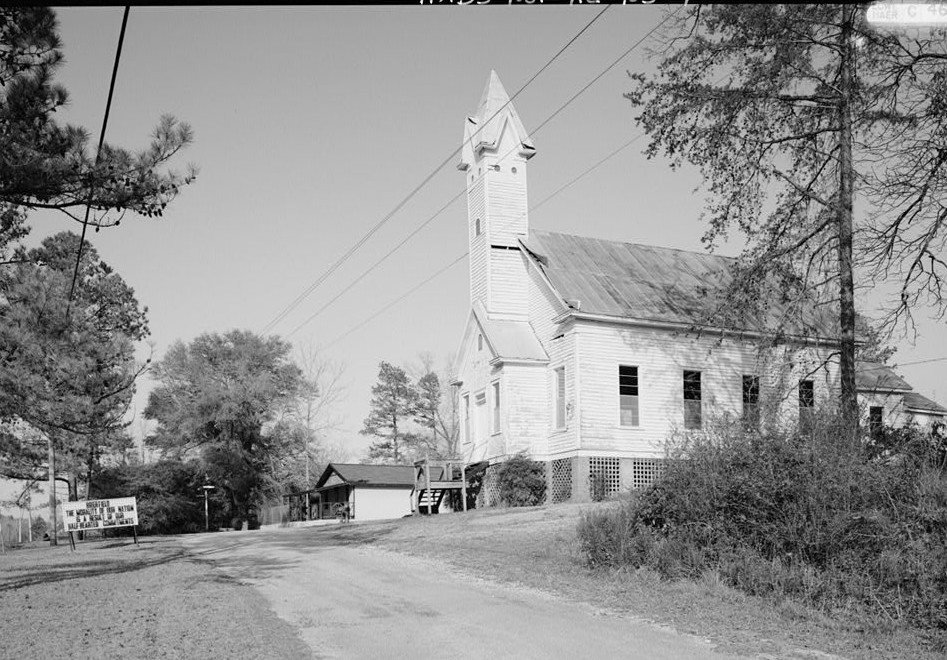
(496, 407)
(559, 392)
(692, 400)
(477, 227)
(806, 405)
(876, 415)
(628, 395)
(751, 402)
(479, 342)
(467, 437)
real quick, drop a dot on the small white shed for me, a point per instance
(372, 492)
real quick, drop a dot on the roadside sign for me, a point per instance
(100, 514)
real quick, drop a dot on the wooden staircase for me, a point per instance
(432, 479)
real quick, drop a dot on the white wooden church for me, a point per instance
(577, 350)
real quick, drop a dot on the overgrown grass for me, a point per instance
(859, 527)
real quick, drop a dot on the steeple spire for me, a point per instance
(485, 128)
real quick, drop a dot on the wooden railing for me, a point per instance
(437, 476)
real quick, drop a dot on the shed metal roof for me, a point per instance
(876, 377)
(356, 474)
(510, 340)
(919, 402)
(629, 280)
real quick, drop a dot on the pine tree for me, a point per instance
(790, 112)
(394, 403)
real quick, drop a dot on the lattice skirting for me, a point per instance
(489, 494)
(561, 480)
(645, 472)
(604, 477)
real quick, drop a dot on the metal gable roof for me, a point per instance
(628, 280)
(356, 474)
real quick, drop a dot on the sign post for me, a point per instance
(101, 514)
(207, 488)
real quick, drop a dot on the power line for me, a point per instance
(105, 122)
(609, 67)
(424, 224)
(388, 254)
(375, 265)
(395, 301)
(358, 244)
(588, 171)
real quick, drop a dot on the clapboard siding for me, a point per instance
(523, 409)
(474, 372)
(559, 344)
(506, 205)
(508, 289)
(661, 357)
(478, 244)
(544, 307)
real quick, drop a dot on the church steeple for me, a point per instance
(484, 130)
(493, 158)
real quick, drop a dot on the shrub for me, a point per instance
(828, 523)
(522, 482)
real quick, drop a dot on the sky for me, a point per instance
(312, 124)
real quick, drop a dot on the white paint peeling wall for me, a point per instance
(524, 412)
(478, 244)
(508, 288)
(661, 357)
(475, 374)
(381, 503)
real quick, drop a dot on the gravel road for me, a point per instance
(356, 601)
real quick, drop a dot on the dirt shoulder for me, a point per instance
(537, 547)
(113, 599)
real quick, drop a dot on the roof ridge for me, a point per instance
(644, 245)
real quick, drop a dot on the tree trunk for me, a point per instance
(74, 495)
(52, 491)
(849, 400)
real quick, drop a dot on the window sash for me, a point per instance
(496, 407)
(751, 402)
(628, 395)
(628, 409)
(806, 394)
(692, 386)
(467, 437)
(806, 406)
(692, 400)
(692, 414)
(876, 416)
(560, 391)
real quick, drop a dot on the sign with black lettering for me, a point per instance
(100, 514)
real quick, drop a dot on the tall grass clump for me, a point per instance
(860, 526)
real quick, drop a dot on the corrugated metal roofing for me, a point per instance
(915, 401)
(629, 280)
(511, 340)
(356, 474)
(873, 376)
